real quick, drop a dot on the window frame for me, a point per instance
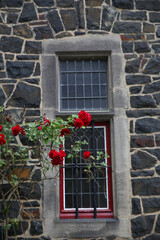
(109, 45)
(89, 213)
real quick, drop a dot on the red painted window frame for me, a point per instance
(84, 213)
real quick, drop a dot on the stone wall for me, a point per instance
(24, 26)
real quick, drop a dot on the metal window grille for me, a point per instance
(81, 192)
(83, 84)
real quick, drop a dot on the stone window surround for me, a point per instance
(106, 45)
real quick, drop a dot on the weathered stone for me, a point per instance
(94, 3)
(142, 160)
(153, 66)
(157, 229)
(145, 101)
(131, 126)
(142, 47)
(136, 207)
(30, 213)
(11, 44)
(142, 225)
(141, 113)
(28, 13)
(36, 228)
(5, 30)
(30, 191)
(69, 18)
(158, 169)
(139, 141)
(9, 56)
(55, 21)
(25, 96)
(152, 237)
(154, 152)
(158, 32)
(147, 125)
(124, 4)
(151, 88)
(156, 48)
(37, 175)
(93, 18)
(32, 81)
(108, 17)
(46, 3)
(2, 97)
(33, 47)
(12, 18)
(150, 36)
(157, 98)
(126, 27)
(137, 79)
(151, 205)
(136, 15)
(158, 140)
(37, 71)
(132, 37)
(135, 90)
(22, 30)
(146, 186)
(14, 3)
(27, 57)
(2, 74)
(18, 229)
(19, 69)
(151, 5)
(127, 47)
(1, 62)
(31, 204)
(43, 32)
(79, 6)
(154, 17)
(12, 208)
(8, 89)
(65, 3)
(132, 66)
(144, 173)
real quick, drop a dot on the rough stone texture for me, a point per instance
(145, 101)
(135, 90)
(151, 5)
(19, 230)
(127, 47)
(137, 79)
(33, 47)
(2, 97)
(93, 18)
(5, 30)
(156, 48)
(148, 28)
(142, 47)
(151, 205)
(153, 66)
(152, 237)
(158, 140)
(108, 17)
(22, 30)
(12, 18)
(124, 4)
(11, 44)
(126, 27)
(146, 187)
(155, 152)
(69, 18)
(65, 3)
(1, 62)
(79, 6)
(55, 21)
(142, 225)
(28, 13)
(136, 15)
(14, 3)
(157, 98)
(8, 89)
(25, 96)
(19, 69)
(94, 3)
(151, 88)
(136, 207)
(141, 113)
(37, 71)
(46, 3)
(139, 141)
(36, 228)
(43, 32)
(147, 125)
(142, 160)
(144, 173)
(30, 191)
(154, 17)
(31, 204)
(158, 169)
(158, 32)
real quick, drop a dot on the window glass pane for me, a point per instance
(96, 91)
(103, 78)
(63, 66)
(71, 91)
(96, 103)
(87, 65)
(64, 91)
(80, 91)
(80, 104)
(64, 78)
(71, 78)
(88, 91)
(72, 104)
(64, 104)
(87, 78)
(88, 103)
(103, 103)
(79, 66)
(103, 90)
(95, 65)
(71, 66)
(79, 78)
(95, 78)
(103, 65)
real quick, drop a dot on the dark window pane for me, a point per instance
(87, 65)
(80, 91)
(95, 65)
(68, 186)
(71, 78)
(79, 66)
(79, 78)
(64, 78)
(96, 91)
(87, 90)
(72, 103)
(103, 90)
(68, 201)
(96, 103)
(64, 91)
(88, 103)
(80, 104)
(64, 104)
(103, 78)
(103, 65)
(95, 78)
(71, 66)
(87, 78)
(63, 66)
(71, 91)
(103, 103)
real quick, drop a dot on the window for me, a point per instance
(82, 196)
(78, 49)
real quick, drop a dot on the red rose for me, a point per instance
(2, 140)
(85, 117)
(51, 153)
(86, 154)
(57, 157)
(1, 128)
(40, 128)
(62, 153)
(17, 129)
(65, 131)
(78, 123)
